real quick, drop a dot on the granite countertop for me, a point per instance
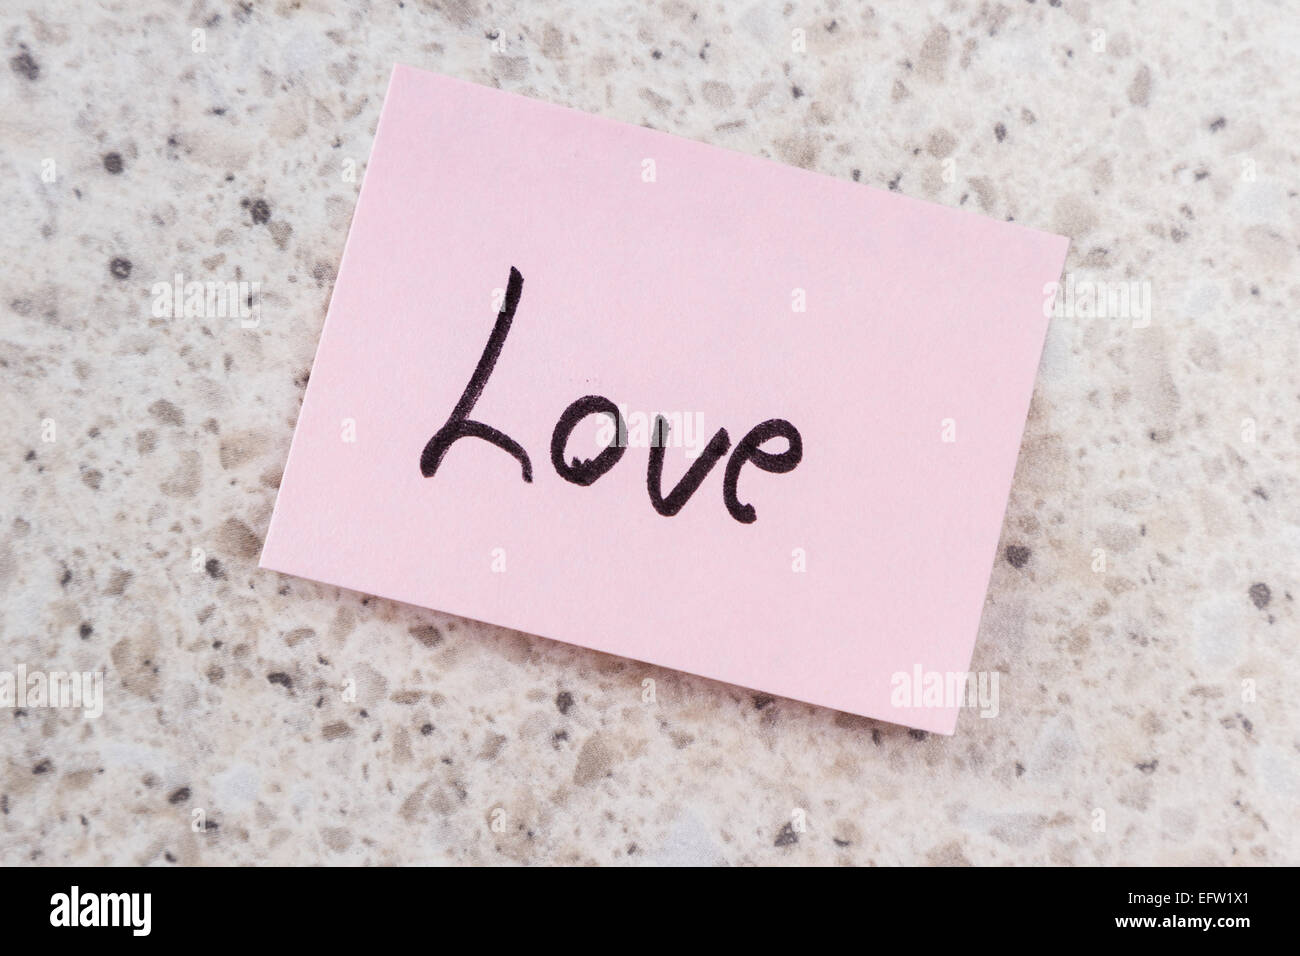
(1147, 711)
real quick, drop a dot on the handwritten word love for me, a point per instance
(584, 472)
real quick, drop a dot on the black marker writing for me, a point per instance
(458, 425)
(748, 450)
(584, 472)
(698, 471)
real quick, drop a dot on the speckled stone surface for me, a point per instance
(1155, 695)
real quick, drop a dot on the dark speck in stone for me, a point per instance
(1261, 493)
(259, 209)
(1260, 595)
(113, 163)
(281, 678)
(762, 701)
(426, 729)
(1018, 555)
(1020, 769)
(426, 634)
(120, 268)
(787, 836)
(213, 567)
(875, 736)
(563, 701)
(893, 183)
(796, 92)
(657, 54)
(179, 796)
(25, 65)
(66, 579)
(1150, 767)
(30, 456)
(857, 175)
(917, 734)
(1218, 124)
(1000, 131)
(86, 629)
(43, 767)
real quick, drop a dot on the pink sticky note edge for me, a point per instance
(498, 180)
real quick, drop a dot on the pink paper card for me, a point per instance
(842, 374)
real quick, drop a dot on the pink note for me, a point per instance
(889, 345)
